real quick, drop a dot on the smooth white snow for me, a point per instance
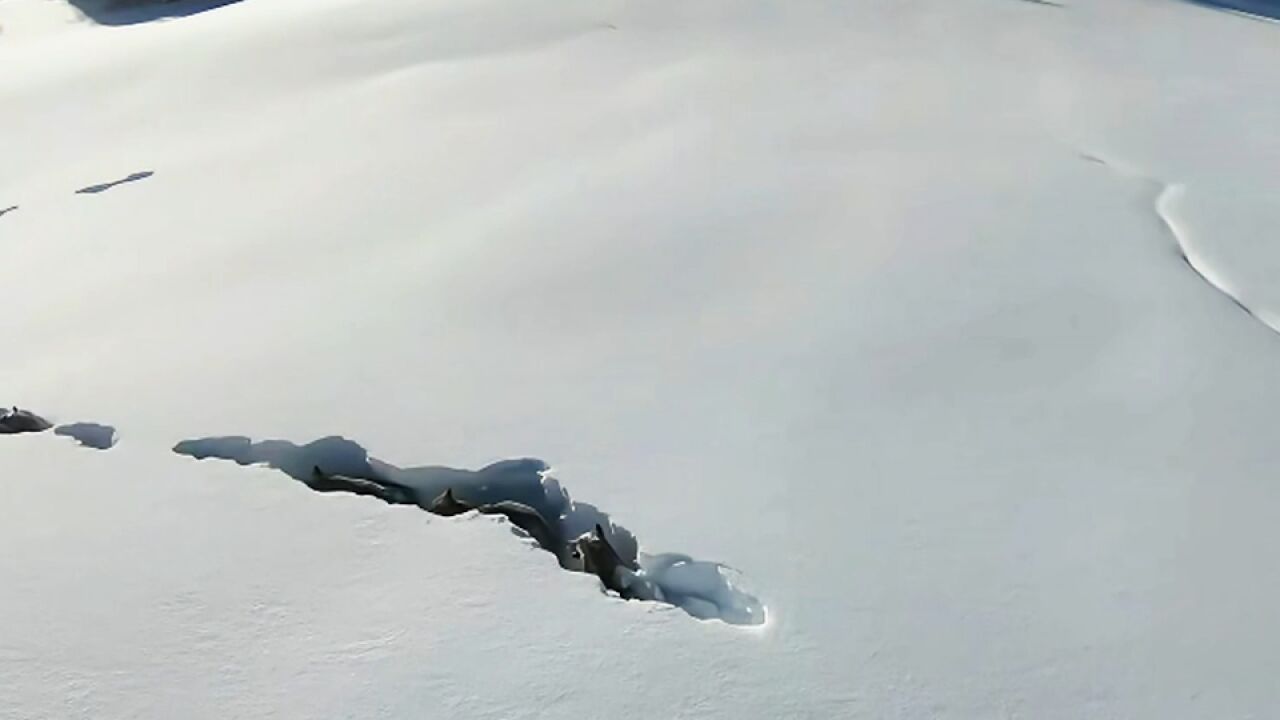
(825, 291)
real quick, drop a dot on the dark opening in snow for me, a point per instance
(103, 187)
(581, 536)
(129, 12)
(15, 420)
(92, 435)
(1259, 8)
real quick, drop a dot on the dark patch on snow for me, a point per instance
(582, 537)
(95, 189)
(131, 12)
(91, 435)
(1258, 9)
(8, 210)
(16, 420)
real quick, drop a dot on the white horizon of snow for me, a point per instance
(823, 291)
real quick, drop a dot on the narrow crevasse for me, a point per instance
(581, 536)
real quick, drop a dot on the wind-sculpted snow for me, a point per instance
(1167, 196)
(1165, 205)
(581, 536)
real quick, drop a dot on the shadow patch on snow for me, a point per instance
(1266, 10)
(8, 210)
(91, 435)
(95, 189)
(131, 12)
(581, 536)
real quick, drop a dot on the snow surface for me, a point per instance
(835, 293)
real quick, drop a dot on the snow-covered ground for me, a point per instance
(948, 324)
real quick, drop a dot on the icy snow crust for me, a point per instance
(828, 291)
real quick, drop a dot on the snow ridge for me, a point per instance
(1169, 194)
(1166, 195)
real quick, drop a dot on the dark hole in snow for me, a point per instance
(130, 12)
(16, 420)
(582, 537)
(93, 435)
(95, 189)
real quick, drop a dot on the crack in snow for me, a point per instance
(17, 421)
(90, 435)
(522, 491)
(103, 187)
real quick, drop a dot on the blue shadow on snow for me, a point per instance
(132, 12)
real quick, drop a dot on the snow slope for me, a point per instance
(881, 303)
